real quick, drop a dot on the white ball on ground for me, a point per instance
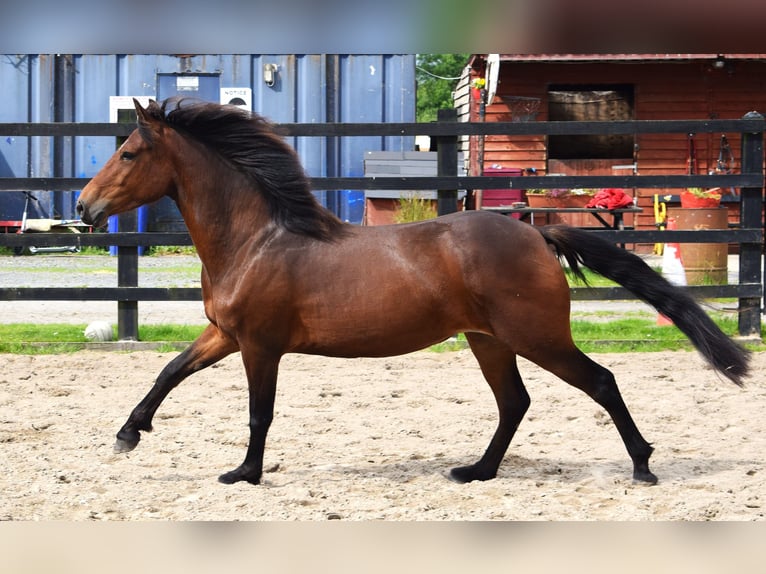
(98, 331)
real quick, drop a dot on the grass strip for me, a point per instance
(54, 338)
(603, 336)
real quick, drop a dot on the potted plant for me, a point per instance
(696, 197)
(477, 85)
(559, 197)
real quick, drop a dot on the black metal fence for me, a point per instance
(749, 234)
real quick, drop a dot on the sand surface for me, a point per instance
(370, 439)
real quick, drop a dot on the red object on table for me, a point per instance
(611, 198)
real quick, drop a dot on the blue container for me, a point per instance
(113, 226)
(307, 88)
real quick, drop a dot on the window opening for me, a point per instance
(590, 103)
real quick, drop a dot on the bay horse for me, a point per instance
(281, 274)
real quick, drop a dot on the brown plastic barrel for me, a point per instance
(704, 263)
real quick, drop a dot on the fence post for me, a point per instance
(446, 164)
(127, 276)
(751, 204)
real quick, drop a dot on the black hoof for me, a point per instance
(126, 441)
(644, 476)
(240, 475)
(464, 474)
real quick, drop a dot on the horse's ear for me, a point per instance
(149, 120)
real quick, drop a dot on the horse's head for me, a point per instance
(138, 172)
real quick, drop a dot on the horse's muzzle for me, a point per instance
(87, 217)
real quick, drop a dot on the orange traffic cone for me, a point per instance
(672, 267)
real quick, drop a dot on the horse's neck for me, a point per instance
(221, 209)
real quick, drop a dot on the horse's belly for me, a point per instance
(357, 332)
(371, 344)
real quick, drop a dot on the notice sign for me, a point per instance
(240, 97)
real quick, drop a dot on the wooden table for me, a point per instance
(617, 215)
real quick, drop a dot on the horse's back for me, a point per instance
(476, 226)
(467, 242)
(494, 239)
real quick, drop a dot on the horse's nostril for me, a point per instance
(82, 213)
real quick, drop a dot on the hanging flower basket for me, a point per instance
(477, 85)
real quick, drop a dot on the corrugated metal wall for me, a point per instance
(26, 93)
(308, 88)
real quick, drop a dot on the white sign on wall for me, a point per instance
(240, 97)
(118, 103)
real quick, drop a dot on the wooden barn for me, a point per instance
(592, 87)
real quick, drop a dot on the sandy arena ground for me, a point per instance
(371, 439)
(362, 439)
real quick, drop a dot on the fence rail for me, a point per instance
(446, 182)
(750, 123)
(749, 234)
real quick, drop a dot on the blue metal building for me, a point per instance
(283, 88)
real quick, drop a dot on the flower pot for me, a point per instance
(704, 263)
(571, 201)
(689, 200)
(537, 200)
(563, 202)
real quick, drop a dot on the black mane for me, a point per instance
(251, 145)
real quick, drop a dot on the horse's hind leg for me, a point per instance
(577, 369)
(498, 364)
(209, 348)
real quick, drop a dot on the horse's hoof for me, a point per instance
(644, 477)
(126, 441)
(121, 445)
(239, 475)
(464, 474)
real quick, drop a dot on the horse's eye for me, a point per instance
(127, 156)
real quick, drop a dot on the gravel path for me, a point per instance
(78, 270)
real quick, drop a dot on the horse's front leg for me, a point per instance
(262, 385)
(209, 348)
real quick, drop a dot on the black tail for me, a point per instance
(580, 247)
